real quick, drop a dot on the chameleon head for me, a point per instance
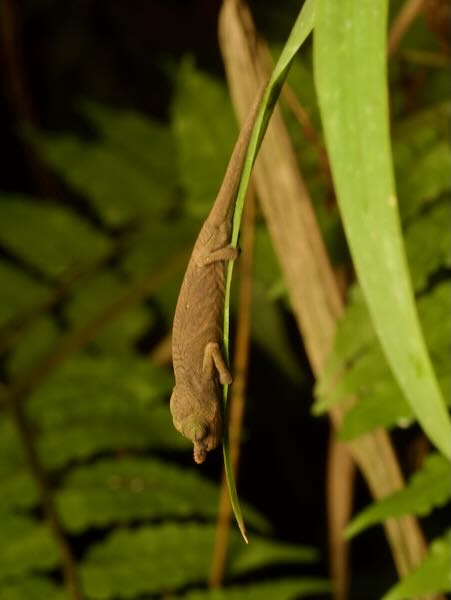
(198, 421)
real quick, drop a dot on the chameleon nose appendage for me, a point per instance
(199, 453)
(200, 443)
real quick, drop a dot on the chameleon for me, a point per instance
(197, 355)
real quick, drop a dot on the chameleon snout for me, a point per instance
(199, 436)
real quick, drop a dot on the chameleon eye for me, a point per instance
(201, 432)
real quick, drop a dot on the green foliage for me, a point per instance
(428, 488)
(111, 491)
(129, 563)
(361, 370)
(119, 190)
(25, 546)
(423, 257)
(50, 238)
(38, 339)
(357, 360)
(379, 364)
(430, 577)
(197, 102)
(144, 142)
(300, 31)
(37, 588)
(99, 421)
(97, 404)
(19, 291)
(121, 333)
(288, 589)
(353, 100)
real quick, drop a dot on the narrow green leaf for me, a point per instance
(230, 479)
(428, 488)
(299, 33)
(350, 72)
(432, 576)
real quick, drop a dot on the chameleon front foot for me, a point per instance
(213, 358)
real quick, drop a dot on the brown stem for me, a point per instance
(238, 391)
(340, 489)
(401, 23)
(424, 58)
(69, 565)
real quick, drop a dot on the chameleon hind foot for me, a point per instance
(226, 253)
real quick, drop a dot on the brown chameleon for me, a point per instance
(197, 332)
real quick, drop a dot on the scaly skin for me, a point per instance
(197, 332)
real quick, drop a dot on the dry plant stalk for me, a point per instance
(340, 479)
(402, 22)
(297, 241)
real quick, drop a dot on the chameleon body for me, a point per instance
(197, 332)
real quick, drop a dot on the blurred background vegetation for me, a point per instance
(116, 127)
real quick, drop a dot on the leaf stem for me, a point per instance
(301, 29)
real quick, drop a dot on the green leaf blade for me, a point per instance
(299, 33)
(350, 71)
